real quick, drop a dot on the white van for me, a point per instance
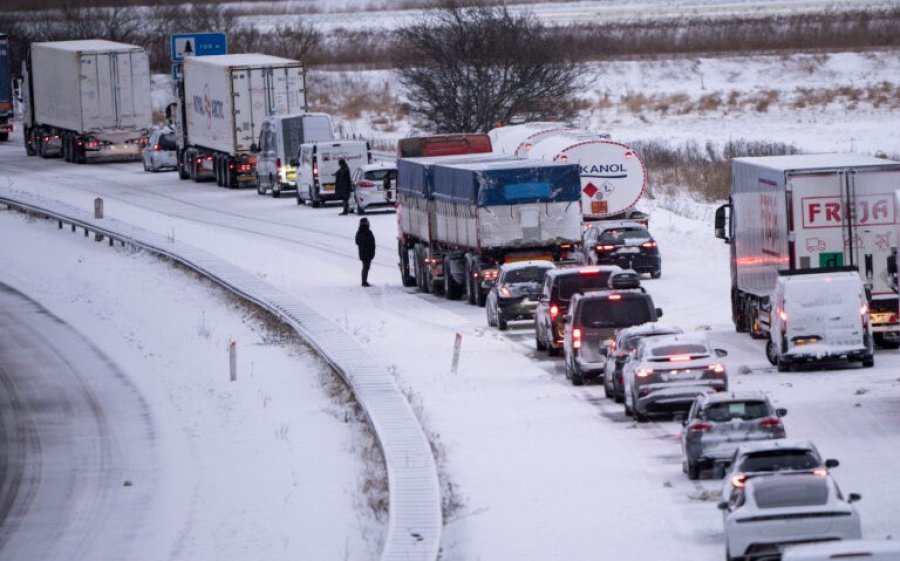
(870, 550)
(318, 162)
(819, 315)
(280, 137)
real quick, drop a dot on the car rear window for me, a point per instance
(602, 312)
(167, 141)
(571, 284)
(791, 491)
(746, 410)
(690, 349)
(528, 274)
(778, 460)
(378, 174)
(625, 234)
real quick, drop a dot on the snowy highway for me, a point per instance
(537, 469)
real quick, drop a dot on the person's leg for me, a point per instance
(346, 208)
(365, 271)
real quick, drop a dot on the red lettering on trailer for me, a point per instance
(829, 212)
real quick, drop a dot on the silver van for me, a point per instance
(280, 138)
(818, 316)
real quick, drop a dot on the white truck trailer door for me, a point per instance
(250, 105)
(96, 91)
(287, 89)
(873, 225)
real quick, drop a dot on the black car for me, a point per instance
(627, 245)
(515, 293)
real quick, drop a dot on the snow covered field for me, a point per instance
(538, 469)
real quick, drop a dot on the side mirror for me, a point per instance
(854, 497)
(722, 505)
(722, 223)
(658, 310)
(780, 412)
(832, 463)
(721, 352)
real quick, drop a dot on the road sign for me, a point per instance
(176, 71)
(197, 44)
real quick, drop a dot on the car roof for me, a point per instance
(725, 397)
(378, 165)
(619, 226)
(776, 444)
(601, 293)
(665, 340)
(650, 329)
(578, 269)
(527, 264)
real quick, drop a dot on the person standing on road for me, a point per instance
(365, 241)
(342, 184)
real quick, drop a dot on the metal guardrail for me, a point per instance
(414, 512)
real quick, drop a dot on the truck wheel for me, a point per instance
(868, 361)
(29, 142)
(538, 344)
(771, 353)
(470, 284)
(656, 274)
(403, 254)
(451, 288)
(313, 201)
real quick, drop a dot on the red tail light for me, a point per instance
(365, 184)
(650, 244)
(576, 338)
(277, 163)
(554, 311)
(718, 368)
(679, 358)
(699, 427)
(606, 247)
(770, 422)
(615, 297)
(157, 147)
(739, 480)
(315, 170)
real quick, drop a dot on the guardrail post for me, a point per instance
(98, 214)
(456, 346)
(232, 360)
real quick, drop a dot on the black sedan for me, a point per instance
(628, 245)
(515, 293)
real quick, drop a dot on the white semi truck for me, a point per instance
(222, 103)
(86, 100)
(807, 212)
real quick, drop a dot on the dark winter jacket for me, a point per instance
(342, 184)
(366, 242)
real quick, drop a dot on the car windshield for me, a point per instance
(679, 349)
(787, 491)
(623, 234)
(570, 284)
(167, 141)
(779, 460)
(746, 410)
(525, 275)
(603, 312)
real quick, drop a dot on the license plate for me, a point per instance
(630, 250)
(328, 187)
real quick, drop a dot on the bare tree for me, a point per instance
(466, 68)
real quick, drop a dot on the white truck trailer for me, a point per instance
(613, 176)
(86, 100)
(222, 103)
(805, 212)
(461, 217)
(518, 140)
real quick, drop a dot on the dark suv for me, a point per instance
(627, 245)
(591, 324)
(559, 287)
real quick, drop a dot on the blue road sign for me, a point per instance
(197, 44)
(176, 71)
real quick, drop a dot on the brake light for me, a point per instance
(679, 358)
(504, 292)
(315, 170)
(699, 427)
(615, 296)
(157, 147)
(277, 163)
(576, 338)
(606, 247)
(489, 274)
(554, 311)
(739, 480)
(718, 368)
(651, 244)
(643, 372)
(365, 184)
(782, 314)
(863, 310)
(589, 270)
(770, 422)
(821, 472)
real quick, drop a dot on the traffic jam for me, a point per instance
(536, 222)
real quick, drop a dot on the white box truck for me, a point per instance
(222, 103)
(816, 211)
(317, 165)
(86, 100)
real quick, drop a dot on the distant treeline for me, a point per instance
(128, 22)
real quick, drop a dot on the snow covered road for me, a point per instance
(538, 469)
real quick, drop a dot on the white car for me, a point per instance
(374, 185)
(788, 508)
(159, 153)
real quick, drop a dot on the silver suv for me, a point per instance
(591, 324)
